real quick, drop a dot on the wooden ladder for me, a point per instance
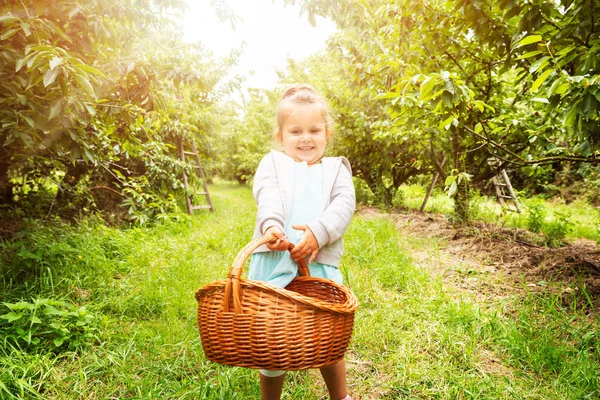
(190, 206)
(501, 182)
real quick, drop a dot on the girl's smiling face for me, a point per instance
(304, 133)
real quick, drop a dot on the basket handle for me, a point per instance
(233, 287)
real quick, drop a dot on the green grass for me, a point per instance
(584, 218)
(414, 336)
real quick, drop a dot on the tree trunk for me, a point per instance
(382, 194)
(436, 175)
(66, 190)
(461, 198)
(6, 194)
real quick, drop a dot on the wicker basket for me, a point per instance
(253, 324)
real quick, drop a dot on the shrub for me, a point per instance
(399, 199)
(556, 231)
(536, 217)
(364, 195)
(48, 324)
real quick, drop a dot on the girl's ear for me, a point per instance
(278, 136)
(327, 132)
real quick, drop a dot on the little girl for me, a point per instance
(306, 200)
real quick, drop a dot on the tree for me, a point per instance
(453, 77)
(93, 96)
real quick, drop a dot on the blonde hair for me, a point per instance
(300, 94)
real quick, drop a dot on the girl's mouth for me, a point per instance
(305, 147)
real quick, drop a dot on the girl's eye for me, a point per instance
(315, 131)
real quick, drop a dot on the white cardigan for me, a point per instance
(273, 191)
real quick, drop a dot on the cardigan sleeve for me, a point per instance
(267, 196)
(335, 219)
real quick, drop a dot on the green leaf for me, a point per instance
(74, 12)
(529, 40)
(589, 105)
(584, 148)
(89, 155)
(50, 76)
(478, 128)
(25, 27)
(563, 52)
(12, 316)
(538, 82)
(75, 153)
(540, 100)
(539, 64)
(529, 54)
(449, 85)
(427, 87)
(512, 12)
(449, 180)
(85, 84)
(8, 33)
(311, 19)
(55, 62)
(447, 98)
(452, 189)
(28, 120)
(91, 109)
(479, 105)
(55, 109)
(8, 19)
(58, 341)
(89, 69)
(559, 86)
(571, 115)
(446, 123)
(19, 64)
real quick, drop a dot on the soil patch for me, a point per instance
(494, 261)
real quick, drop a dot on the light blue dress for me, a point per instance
(276, 267)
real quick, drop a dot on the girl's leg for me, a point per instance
(335, 379)
(271, 383)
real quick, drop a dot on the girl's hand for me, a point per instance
(282, 243)
(308, 245)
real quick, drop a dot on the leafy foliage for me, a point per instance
(93, 99)
(246, 138)
(467, 82)
(536, 216)
(49, 325)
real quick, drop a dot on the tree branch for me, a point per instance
(587, 39)
(454, 60)
(436, 164)
(106, 188)
(594, 159)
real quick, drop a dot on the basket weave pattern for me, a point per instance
(253, 324)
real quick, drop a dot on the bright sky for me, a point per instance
(273, 33)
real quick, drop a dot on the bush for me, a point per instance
(556, 231)
(536, 217)
(47, 324)
(399, 199)
(364, 195)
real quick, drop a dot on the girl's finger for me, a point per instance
(313, 255)
(298, 248)
(301, 227)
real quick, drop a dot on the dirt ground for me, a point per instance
(493, 262)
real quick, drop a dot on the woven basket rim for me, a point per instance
(348, 307)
